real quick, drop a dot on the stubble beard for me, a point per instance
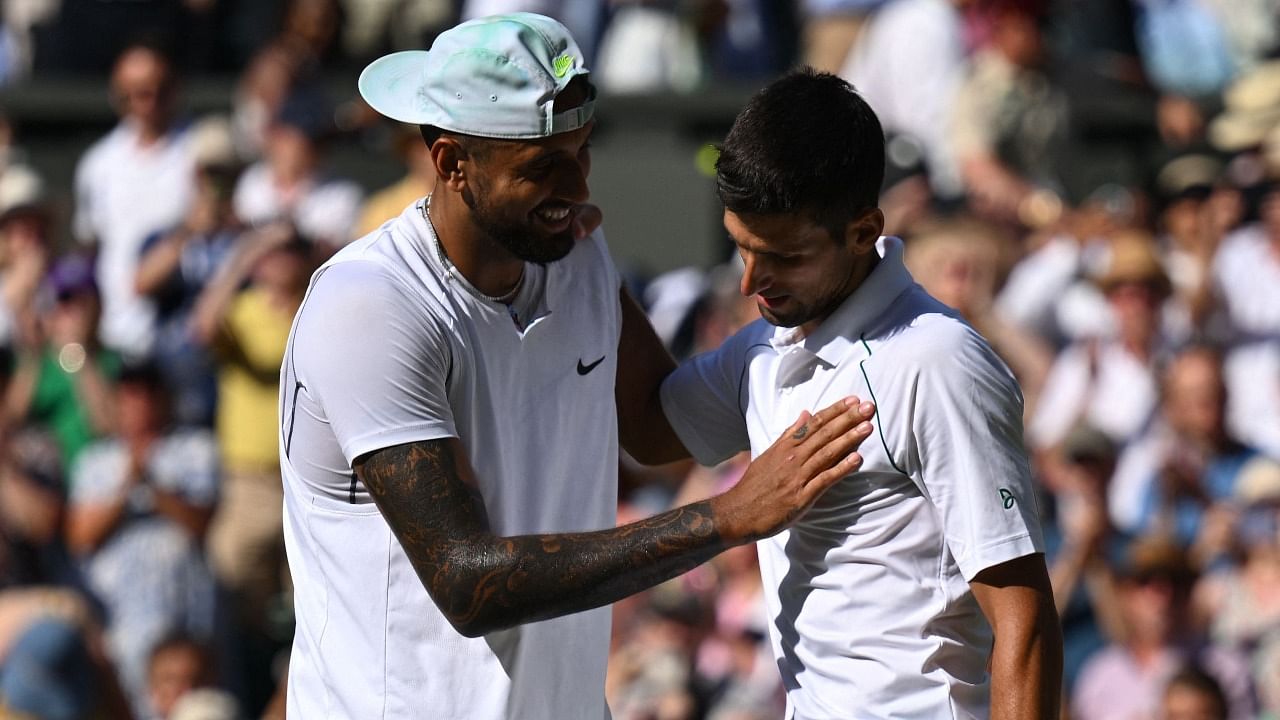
(519, 239)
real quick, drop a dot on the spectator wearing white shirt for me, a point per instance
(1109, 382)
(131, 184)
(290, 183)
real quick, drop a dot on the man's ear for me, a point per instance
(862, 232)
(452, 163)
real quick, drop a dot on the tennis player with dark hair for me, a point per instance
(916, 587)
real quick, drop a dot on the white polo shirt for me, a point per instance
(870, 610)
(387, 349)
(124, 193)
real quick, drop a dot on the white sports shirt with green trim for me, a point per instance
(391, 347)
(870, 611)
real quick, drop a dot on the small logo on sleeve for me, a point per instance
(1009, 499)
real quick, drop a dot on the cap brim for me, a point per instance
(390, 86)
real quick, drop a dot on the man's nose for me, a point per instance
(755, 277)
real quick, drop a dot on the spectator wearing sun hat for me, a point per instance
(1109, 381)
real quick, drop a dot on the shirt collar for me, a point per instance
(837, 336)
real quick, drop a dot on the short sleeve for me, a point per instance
(973, 465)
(705, 400)
(374, 357)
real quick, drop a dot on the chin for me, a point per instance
(546, 250)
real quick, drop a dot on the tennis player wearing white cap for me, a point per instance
(448, 403)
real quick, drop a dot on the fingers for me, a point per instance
(829, 424)
(848, 465)
(838, 448)
(808, 424)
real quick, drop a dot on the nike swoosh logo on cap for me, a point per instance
(584, 369)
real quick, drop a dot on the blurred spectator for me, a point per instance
(247, 329)
(25, 248)
(832, 29)
(1193, 694)
(1110, 382)
(373, 24)
(290, 183)
(390, 201)
(267, 80)
(1194, 214)
(651, 675)
(1080, 541)
(133, 183)
(52, 662)
(1247, 274)
(1047, 291)
(206, 704)
(178, 664)
(63, 376)
(21, 20)
(32, 506)
(960, 261)
(1183, 47)
(1246, 280)
(1242, 604)
(176, 265)
(48, 674)
(1173, 479)
(1008, 122)
(140, 505)
(1127, 679)
(908, 65)
(583, 18)
(649, 47)
(736, 662)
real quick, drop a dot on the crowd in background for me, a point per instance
(1093, 184)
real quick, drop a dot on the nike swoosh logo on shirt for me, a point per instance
(584, 369)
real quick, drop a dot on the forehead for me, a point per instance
(140, 66)
(781, 232)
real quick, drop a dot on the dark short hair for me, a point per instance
(806, 143)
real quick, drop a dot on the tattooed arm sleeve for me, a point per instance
(482, 582)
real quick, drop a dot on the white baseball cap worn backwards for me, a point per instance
(494, 77)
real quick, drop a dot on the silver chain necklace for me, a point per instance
(451, 269)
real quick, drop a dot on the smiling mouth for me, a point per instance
(555, 216)
(772, 302)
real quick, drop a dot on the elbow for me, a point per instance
(472, 628)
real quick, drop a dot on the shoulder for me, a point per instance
(936, 341)
(591, 251)
(357, 283)
(930, 333)
(102, 152)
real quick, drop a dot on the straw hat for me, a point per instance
(1133, 258)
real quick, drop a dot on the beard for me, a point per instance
(799, 313)
(522, 240)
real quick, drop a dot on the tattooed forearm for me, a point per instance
(483, 583)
